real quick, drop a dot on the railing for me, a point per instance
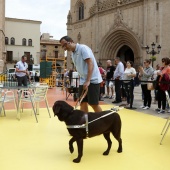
(7, 79)
(155, 83)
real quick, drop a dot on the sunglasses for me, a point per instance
(64, 45)
(163, 61)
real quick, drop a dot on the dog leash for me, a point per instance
(83, 94)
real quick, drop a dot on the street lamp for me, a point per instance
(153, 52)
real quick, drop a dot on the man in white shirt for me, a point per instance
(118, 75)
(21, 71)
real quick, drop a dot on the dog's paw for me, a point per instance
(106, 153)
(77, 160)
(71, 149)
(119, 150)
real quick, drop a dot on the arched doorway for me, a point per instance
(125, 53)
(120, 42)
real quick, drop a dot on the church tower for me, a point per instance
(2, 34)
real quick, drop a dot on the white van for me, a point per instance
(11, 73)
(35, 70)
(35, 73)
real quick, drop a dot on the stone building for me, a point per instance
(50, 47)
(121, 28)
(22, 37)
(2, 34)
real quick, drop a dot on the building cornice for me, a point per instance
(99, 7)
(22, 20)
(50, 43)
(25, 46)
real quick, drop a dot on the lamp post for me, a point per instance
(153, 52)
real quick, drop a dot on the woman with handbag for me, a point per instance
(144, 75)
(163, 76)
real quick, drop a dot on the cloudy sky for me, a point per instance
(52, 13)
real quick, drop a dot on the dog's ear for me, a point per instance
(56, 108)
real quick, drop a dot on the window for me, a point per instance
(24, 43)
(157, 38)
(12, 41)
(81, 11)
(157, 6)
(9, 56)
(30, 42)
(43, 54)
(56, 54)
(6, 40)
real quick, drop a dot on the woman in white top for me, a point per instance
(129, 74)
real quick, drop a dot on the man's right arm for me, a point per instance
(17, 70)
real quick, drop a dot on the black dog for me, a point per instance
(105, 125)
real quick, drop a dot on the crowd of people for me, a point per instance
(125, 77)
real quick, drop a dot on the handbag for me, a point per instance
(150, 86)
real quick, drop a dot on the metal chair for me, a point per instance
(167, 123)
(9, 96)
(35, 97)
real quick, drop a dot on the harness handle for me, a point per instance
(79, 100)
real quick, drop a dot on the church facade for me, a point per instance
(121, 28)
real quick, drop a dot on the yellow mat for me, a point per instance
(27, 145)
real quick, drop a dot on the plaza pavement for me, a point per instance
(138, 102)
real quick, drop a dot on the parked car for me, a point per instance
(11, 74)
(35, 73)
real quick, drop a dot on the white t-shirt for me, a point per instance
(155, 74)
(21, 66)
(127, 72)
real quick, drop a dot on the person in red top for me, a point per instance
(165, 69)
(102, 84)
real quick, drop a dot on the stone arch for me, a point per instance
(116, 39)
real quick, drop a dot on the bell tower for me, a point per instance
(2, 34)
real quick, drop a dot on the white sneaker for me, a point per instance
(162, 111)
(106, 96)
(145, 108)
(142, 107)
